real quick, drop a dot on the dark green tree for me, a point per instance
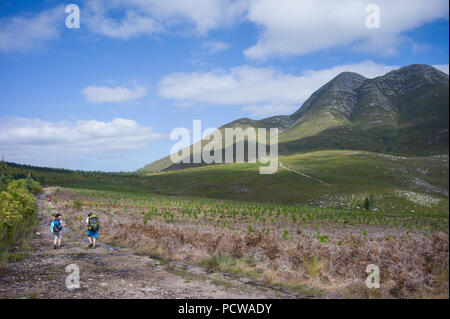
(367, 203)
(5, 177)
(29, 183)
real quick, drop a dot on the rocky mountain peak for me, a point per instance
(347, 81)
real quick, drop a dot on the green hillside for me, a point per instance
(348, 178)
(404, 112)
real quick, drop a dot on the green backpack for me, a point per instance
(93, 223)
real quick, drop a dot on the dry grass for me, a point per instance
(413, 266)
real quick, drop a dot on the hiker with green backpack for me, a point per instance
(93, 227)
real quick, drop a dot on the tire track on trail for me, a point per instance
(109, 272)
(305, 175)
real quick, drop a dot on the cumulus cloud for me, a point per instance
(25, 139)
(213, 47)
(131, 24)
(260, 91)
(442, 67)
(103, 94)
(291, 27)
(287, 27)
(122, 19)
(261, 111)
(24, 33)
(146, 17)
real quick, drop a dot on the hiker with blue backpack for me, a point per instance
(93, 227)
(56, 228)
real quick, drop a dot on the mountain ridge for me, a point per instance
(403, 112)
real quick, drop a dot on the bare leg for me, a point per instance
(95, 240)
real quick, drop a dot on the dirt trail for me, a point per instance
(107, 272)
(303, 174)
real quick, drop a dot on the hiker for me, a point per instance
(93, 226)
(56, 228)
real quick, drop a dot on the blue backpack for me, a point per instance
(57, 225)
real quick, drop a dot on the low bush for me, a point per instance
(18, 214)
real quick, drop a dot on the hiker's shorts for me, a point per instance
(92, 233)
(57, 235)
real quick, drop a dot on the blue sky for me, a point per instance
(107, 95)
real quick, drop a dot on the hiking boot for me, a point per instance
(90, 245)
(93, 247)
(54, 246)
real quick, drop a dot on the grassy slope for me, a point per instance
(312, 125)
(165, 163)
(352, 176)
(348, 173)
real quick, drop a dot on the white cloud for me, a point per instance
(291, 27)
(261, 111)
(122, 19)
(213, 47)
(442, 67)
(146, 17)
(24, 33)
(23, 139)
(287, 27)
(260, 91)
(104, 94)
(132, 24)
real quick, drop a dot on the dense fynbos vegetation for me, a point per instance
(17, 210)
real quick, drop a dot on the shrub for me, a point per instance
(18, 200)
(4, 176)
(368, 202)
(33, 186)
(322, 238)
(312, 267)
(17, 214)
(218, 261)
(77, 204)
